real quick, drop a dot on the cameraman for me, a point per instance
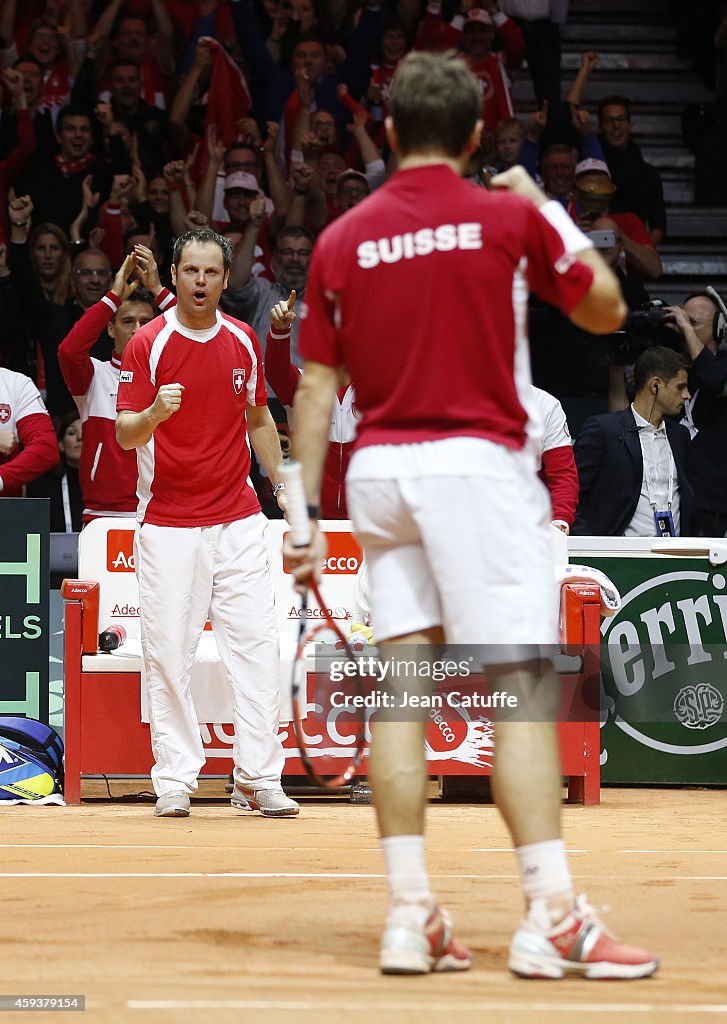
(703, 327)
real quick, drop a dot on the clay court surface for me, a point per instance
(226, 916)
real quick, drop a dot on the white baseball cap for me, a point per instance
(242, 180)
(592, 166)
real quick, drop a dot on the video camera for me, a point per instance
(643, 328)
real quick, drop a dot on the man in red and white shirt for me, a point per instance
(443, 491)
(475, 35)
(283, 377)
(191, 392)
(558, 469)
(107, 473)
(28, 442)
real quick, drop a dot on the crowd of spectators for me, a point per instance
(125, 123)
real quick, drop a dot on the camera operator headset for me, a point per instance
(702, 322)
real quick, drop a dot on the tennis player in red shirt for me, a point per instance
(191, 392)
(420, 292)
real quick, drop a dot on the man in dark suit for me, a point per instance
(632, 464)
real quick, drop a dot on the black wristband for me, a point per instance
(314, 511)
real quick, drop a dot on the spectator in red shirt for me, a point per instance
(28, 443)
(593, 192)
(107, 473)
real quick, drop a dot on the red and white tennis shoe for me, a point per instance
(579, 944)
(409, 950)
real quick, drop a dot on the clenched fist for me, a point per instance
(167, 402)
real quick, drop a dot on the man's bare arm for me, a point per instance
(134, 429)
(264, 439)
(602, 309)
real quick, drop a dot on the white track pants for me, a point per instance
(184, 576)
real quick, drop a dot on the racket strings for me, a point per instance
(328, 764)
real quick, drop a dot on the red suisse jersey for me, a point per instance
(421, 292)
(194, 471)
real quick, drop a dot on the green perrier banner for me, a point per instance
(664, 671)
(24, 606)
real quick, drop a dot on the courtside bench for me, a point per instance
(104, 731)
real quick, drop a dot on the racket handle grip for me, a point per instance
(296, 507)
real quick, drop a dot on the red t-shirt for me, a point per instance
(421, 292)
(194, 471)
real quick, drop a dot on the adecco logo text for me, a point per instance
(344, 556)
(120, 551)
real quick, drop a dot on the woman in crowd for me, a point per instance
(61, 484)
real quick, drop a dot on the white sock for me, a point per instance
(546, 879)
(409, 894)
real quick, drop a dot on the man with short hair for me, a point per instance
(640, 189)
(147, 122)
(702, 323)
(442, 460)
(133, 41)
(351, 188)
(492, 45)
(275, 87)
(107, 473)
(633, 465)
(191, 392)
(251, 298)
(56, 187)
(558, 168)
(41, 117)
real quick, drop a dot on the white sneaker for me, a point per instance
(239, 800)
(579, 944)
(272, 803)
(172, 805)
(432, 947)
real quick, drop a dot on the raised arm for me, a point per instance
(245, 257)
(183, 97)
(74, 352)
(215, 158)
(602, 309)
(280, 372)
(276, 182)
(164, 41)
(589, 63)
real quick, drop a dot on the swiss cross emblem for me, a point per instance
(238, 380)
(5, 412)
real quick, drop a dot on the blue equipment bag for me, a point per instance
(31, 761)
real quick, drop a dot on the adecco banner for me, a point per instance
(24, 606)
(664, 668)
(106, 553)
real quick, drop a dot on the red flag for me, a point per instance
(228, 98)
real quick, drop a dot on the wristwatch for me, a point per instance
(277, 488)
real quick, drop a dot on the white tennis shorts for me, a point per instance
(456, 533)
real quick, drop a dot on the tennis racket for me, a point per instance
(336, 700)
